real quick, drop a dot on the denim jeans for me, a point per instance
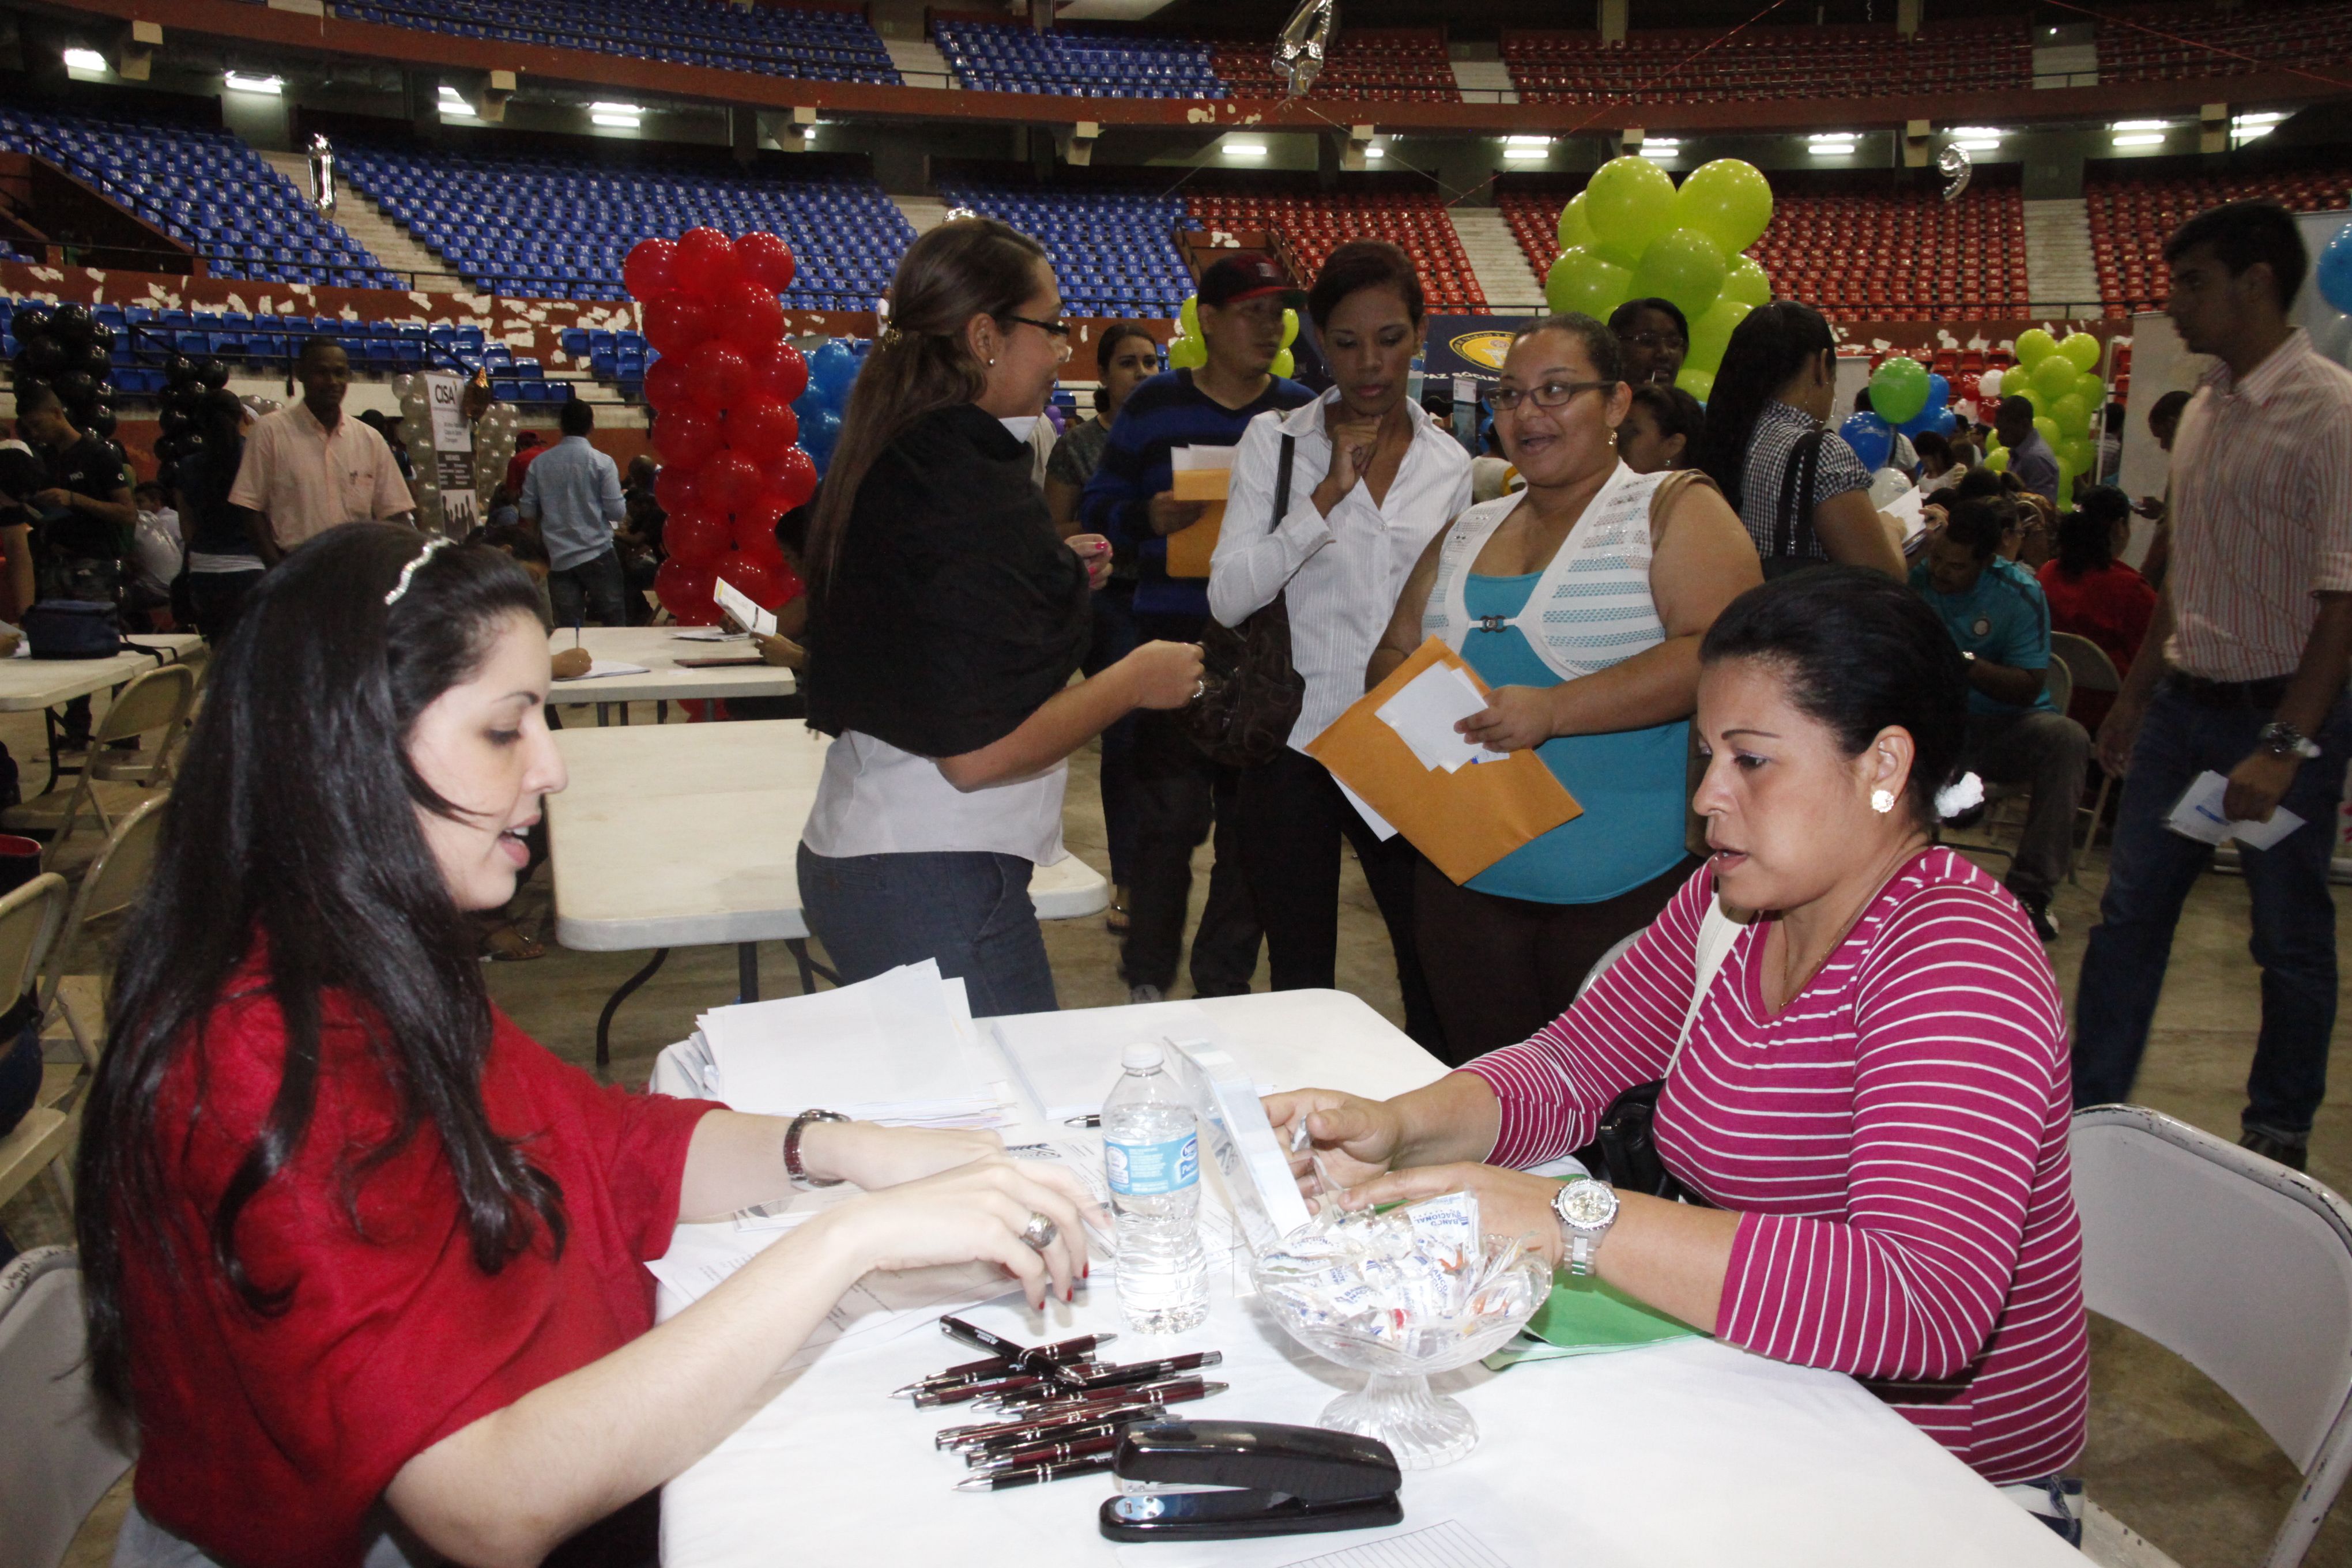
(590, 590)
(2149, 875)
(1114, 639)
(1177, 794)
(968, 909)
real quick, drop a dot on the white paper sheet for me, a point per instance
(1068, 1062)
(1380, 825)
(709, 633)
(2197, 815)
(1425, 712)
(738, 604)
(1910, 510)
(600, 668)
(1183, 457)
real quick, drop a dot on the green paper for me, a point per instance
(1588, 1317)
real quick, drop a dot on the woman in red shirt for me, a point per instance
(365, 1263)
(2095, 596)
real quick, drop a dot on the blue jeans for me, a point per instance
(968, 909)
(590, 591)
(2149, 875)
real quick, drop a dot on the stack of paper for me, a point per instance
(1068, 1062)
(1201, 474)
(1425, 713)
(899, 1048)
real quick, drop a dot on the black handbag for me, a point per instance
(1792, 527)
(1250, 691)
(73, 629)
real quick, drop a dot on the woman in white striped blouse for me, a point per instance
(1581, 600)
(1371, 479)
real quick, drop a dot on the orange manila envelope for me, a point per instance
(1464, 821)
(1188, 547)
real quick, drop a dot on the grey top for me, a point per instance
(573, 493)
(1778, 430)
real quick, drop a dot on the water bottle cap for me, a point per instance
(1142, 1055)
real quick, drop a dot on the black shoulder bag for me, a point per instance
(1792, 526)
(1250, 693)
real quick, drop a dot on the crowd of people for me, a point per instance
(1845, 1038)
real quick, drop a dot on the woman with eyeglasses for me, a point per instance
(1580, 600)
(1654, 335)
(1329, 506)
(948, 616)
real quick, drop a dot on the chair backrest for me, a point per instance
(2239, 1265)
(157, 699)
(30, 917)
(1601, 965)
(2058, 682)
(2086, 661)
(58, 1452)
(118, 873)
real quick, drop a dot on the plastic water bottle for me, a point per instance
(1152, 1155)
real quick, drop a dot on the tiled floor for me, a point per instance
(2169, 1454)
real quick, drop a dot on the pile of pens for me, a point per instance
(1057, 1411)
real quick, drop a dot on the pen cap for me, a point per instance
(1142, 1055)
(1310, 1462)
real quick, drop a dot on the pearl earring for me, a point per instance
(1882, 801)
(991, 361)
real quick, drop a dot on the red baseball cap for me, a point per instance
(1247, 274)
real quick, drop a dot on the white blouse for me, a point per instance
(874, 799)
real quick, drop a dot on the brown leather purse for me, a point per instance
(1251, 693)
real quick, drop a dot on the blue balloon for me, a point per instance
(812, 401)
(833, 367)
(1871, 438)
(1939, 392)
(2335, 270)
(818, 436)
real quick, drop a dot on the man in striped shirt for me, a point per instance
(2255, 622)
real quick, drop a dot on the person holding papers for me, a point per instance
(1371, 478)
(947, 617)
(1998, 616)
(365, 1263)
(1855, 1050)
(1644, 563)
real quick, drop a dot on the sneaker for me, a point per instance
(1136, 994)
(2045, 924)
(2291, 1155)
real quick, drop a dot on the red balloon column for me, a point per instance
(724, 426)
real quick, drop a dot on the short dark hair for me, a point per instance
(1676, 412)
(1861, 653)
(1116, 333)
(2169, 406)
(576, 417)
(1362, 264)
(1621, 319)
(317, 345)
(516, 541)
(38, 399)
(1928, 443)
(1979, 522)
(1601, 345)
(2243, 233)
(2024, 404)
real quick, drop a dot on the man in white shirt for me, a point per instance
(307, 468)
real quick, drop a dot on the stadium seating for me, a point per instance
(1769, 63)
(1383, 66)
(205, 188)
(2131, 216)
(1908, 256)
(993, 56)
(1314, 222)
(548, 227)
(2181, 44)
(1114, 252)
(818, 44)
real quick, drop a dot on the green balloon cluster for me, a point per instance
(2060, 376)
(1188, 350)
(1630, 235)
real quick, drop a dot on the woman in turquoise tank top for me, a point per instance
(1581, 601)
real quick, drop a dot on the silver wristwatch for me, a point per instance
(792, 1166)
(2281, 739)
(1585, 1209)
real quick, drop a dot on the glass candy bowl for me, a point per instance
(1400, 1340)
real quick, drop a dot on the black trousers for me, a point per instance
(1175, 793)
(1292, 818)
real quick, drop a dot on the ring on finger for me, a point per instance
(1039, 1232)
(1199, 688)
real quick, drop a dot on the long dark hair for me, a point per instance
(2086, 536)
(972, 266)
(293, 833)
(1861, 652)
(1771, 344)
(1107, 345)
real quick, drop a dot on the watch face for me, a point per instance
(1587, 1204)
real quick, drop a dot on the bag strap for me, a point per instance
(1792, 527)
(1282, 480)
(1717, 933)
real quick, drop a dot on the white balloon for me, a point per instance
(1989, 383)
(1886, 484)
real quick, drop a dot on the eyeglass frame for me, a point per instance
(1054, 329)
(1517, 396)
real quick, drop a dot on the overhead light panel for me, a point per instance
(1980, 144)
(1654, 147)
(2260, 117)
(1376, 152)
(619, 116)
(1834, 136)
(455, 107)
(1527, 146)
(85, 60)
(1978, 132)
(2143, 138)
(615, 109)
(2141, 125)
(1832, 149)
(1242, 149)
(238, 82)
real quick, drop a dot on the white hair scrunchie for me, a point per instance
(1964, 793)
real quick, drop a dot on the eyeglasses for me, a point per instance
(1550, 395)
(1051, 329)
(1655, 341)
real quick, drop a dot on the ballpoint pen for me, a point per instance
(987, 1450)
(1175, 1390)
(968, 1372)
(958, 1393)
(1000, 1481)
(1099, 1374)
(1037, 1426)
(1038, 1358)
(1043, 1453)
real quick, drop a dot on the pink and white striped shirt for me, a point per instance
(1894, 1142)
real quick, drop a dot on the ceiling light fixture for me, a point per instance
(1980, 145)
(615, 109)
(1376, 152)
(1834, 136)
(1832, 149)
(2141, 140)
(85, 60)
(238, 82)
(2141, 125)
(617, 121)
(1978, 132)
(1242, 149)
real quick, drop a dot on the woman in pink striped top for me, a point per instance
(1874, 1094)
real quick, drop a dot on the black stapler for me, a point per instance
(1228, 1481)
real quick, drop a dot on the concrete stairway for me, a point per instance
(926, 213)
(363, 221)
(2061, 276)
(1510, 286)
(1485, 81)
(919, 62)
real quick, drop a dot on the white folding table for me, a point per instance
(688, 835)
(35, 685)
(1691, 1453)
(659, 649)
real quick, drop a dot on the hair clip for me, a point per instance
(891, 338)
(438, 541)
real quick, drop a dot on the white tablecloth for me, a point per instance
(659, 648)
(29, 685)
(1692, 1453)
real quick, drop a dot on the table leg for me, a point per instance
(747, 971)
(810, 968)
(661, 710)
(603, 714)
(604, 1019)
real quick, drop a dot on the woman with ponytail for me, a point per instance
(950, 616)
(1803, 494)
